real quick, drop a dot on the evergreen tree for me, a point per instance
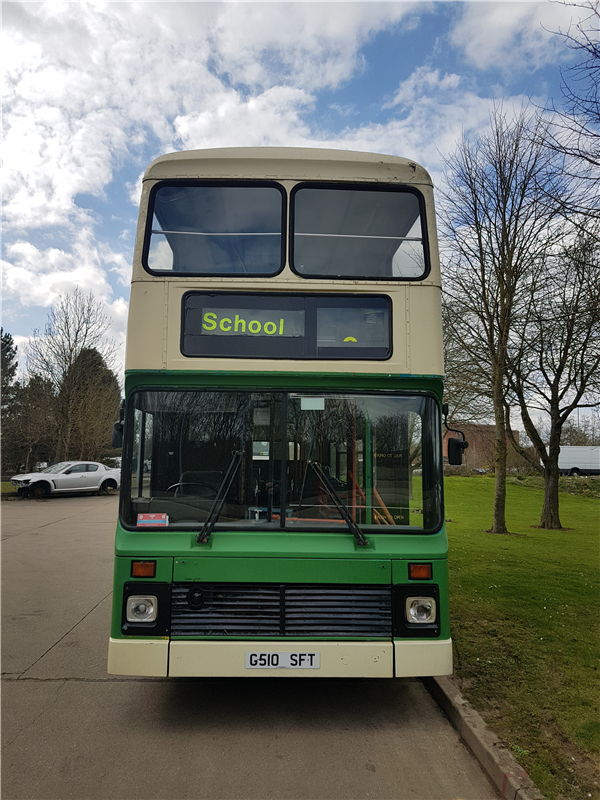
(7, 375)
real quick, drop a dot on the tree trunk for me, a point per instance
(550, 518)
(500, 455)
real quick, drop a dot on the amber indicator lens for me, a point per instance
(420, 572)
(143, 569)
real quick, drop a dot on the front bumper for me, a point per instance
(165, 658)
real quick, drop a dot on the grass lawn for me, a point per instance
(525, 615)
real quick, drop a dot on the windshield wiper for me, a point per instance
(219, 501)
(339, 503)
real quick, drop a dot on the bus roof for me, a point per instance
(293, 163)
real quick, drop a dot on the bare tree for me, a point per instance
(28, 425)
(75, 324)
(583, 432)
(500, 218)
(574, 129)
(580, 86)
(466, 385)
(554, 356)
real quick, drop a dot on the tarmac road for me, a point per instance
(69, 730)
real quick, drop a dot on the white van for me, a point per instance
(579, 461)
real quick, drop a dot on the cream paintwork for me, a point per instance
(151, 657)
(147, 657)
(153, 333)
(423, 657)
(227, 659)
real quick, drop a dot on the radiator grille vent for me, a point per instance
(272, 609)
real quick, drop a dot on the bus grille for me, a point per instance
(272, 609)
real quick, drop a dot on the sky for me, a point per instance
(94, 91)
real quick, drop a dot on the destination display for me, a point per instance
(286, 326)
(258, 322)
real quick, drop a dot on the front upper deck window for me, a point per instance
(355, 232)
(215, 229)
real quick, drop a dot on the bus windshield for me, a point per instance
(378, 452)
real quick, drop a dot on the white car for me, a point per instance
(68, 476)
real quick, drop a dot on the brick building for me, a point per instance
(480, 452)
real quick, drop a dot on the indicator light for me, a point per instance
(420, 572)
(143, 569)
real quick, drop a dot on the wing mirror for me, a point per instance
(456, 447)
(117, 434)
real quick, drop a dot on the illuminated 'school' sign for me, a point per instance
(258, 322)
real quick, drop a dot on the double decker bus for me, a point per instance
(281, 509)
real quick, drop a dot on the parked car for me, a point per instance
(68, 477)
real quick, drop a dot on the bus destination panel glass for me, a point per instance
(213, 229)
(295, 326)
(356, 232)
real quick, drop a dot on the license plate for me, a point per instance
(283, 660)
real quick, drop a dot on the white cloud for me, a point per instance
(87, 85)
(117, 311)
(433, 112)
(273, 117)
(423, 80)
(309, 45)
(90, 86)
(37, 277)
(512, 35)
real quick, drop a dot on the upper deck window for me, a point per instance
(358, 232)
(215, 229)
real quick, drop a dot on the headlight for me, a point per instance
(421, 610)
(142, 608)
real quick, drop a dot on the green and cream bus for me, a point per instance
(281, 507)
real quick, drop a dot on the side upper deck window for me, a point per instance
(215, 229)
(358, 232)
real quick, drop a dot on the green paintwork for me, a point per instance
(273, 544)
(326, 381)
(368, 467)
(275, 556)
(282, 570)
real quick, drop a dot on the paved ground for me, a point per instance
(71, 731)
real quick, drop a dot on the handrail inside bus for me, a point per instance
(226, 233)
(362, 236)
(297, 233)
